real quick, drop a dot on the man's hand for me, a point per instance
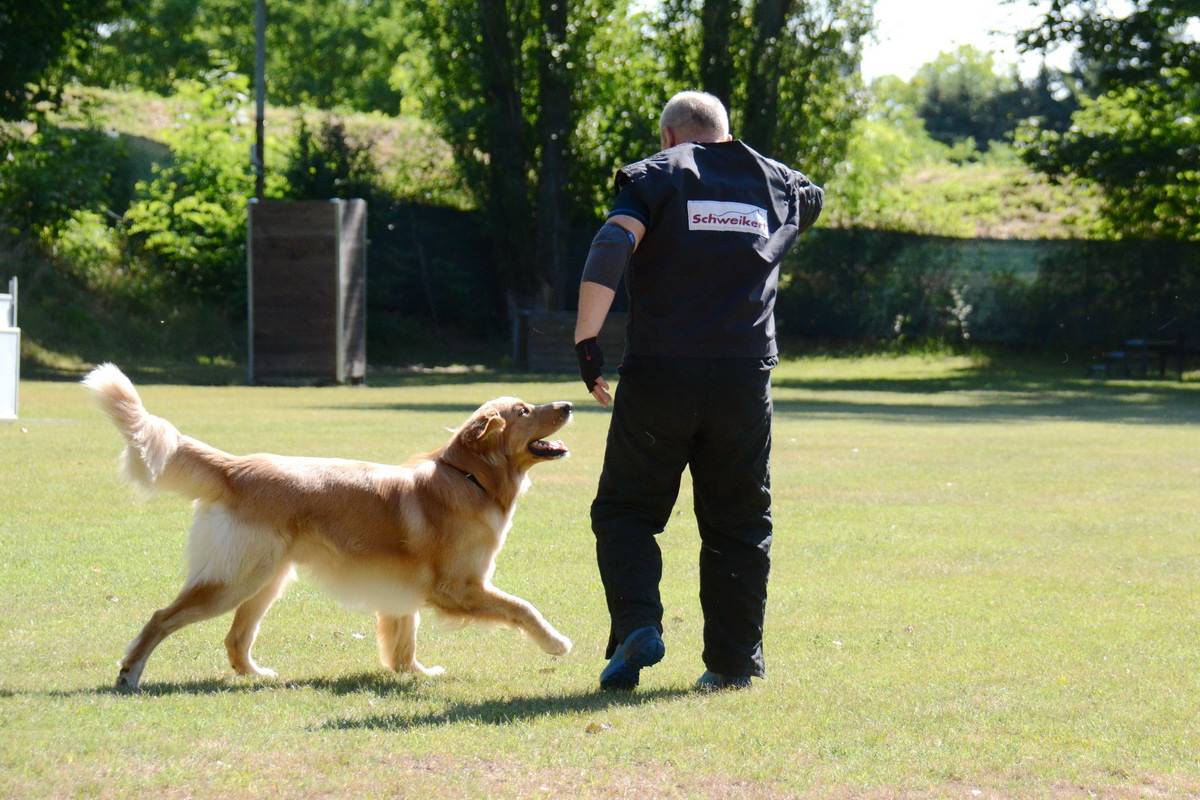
(591, 365)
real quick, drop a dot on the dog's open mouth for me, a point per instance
(544, 449)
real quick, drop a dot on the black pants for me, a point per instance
(713, 416)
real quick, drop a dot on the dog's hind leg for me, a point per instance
(197, 602)
(228, 563)
(397, 641)
(244, 629)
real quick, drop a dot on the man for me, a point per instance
(701, 227)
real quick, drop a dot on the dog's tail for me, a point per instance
(157, 457)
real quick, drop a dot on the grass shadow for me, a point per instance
(150, 373)
(494, 711)
(201, 687)
(580, 406)
(995, 393)
(506, 711)
(384, 377)
(378, 683)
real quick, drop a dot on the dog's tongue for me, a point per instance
(543, 447)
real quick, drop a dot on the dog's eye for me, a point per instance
(524, 411)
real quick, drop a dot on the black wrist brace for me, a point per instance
(591, 361)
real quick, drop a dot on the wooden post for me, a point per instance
(307, 291)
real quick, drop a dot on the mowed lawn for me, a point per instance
(986, 583)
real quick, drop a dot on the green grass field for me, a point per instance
(986, 584)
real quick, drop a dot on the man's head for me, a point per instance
(693, 117)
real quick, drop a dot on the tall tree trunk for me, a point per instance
(760, 116)
(507, 182)
(716, 56)
(552, 225)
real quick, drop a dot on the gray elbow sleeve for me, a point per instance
(608, 256)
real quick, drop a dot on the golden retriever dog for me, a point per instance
(388, 538)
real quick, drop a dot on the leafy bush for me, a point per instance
(327, 164)
(58, 188)
(896, 177)
(169, 271)
(47, 176)
(188, 225)
(1140, 146)
(886, 147)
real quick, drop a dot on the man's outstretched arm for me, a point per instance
(607, 259)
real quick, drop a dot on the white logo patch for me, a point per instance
(715, 215)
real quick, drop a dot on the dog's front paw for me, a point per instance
(558, 645)
(126, 681)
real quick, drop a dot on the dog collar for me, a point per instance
(469, 476)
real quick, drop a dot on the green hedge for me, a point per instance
(857, 284)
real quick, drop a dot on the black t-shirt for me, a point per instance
(719, 218)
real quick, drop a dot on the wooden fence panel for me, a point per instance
(307, 265)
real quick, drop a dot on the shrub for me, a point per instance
(48, 176)
(188, 224)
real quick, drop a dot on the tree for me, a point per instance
(542, 101)
(888, 142)
(786, 69)
(621, 85)
(35, 37)
(326, 53)
(1052, 97)
(505, 89)
(1114, 48)
(1141, 145)
(961, 95)
(1139, 139)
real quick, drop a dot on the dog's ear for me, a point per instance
(480, 427)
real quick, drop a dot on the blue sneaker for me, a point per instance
(642, 648)
(715, 682)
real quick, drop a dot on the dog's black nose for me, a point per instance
(564, 407)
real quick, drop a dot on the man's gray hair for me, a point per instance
(696, 115)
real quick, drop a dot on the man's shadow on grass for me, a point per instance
(508, 710)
